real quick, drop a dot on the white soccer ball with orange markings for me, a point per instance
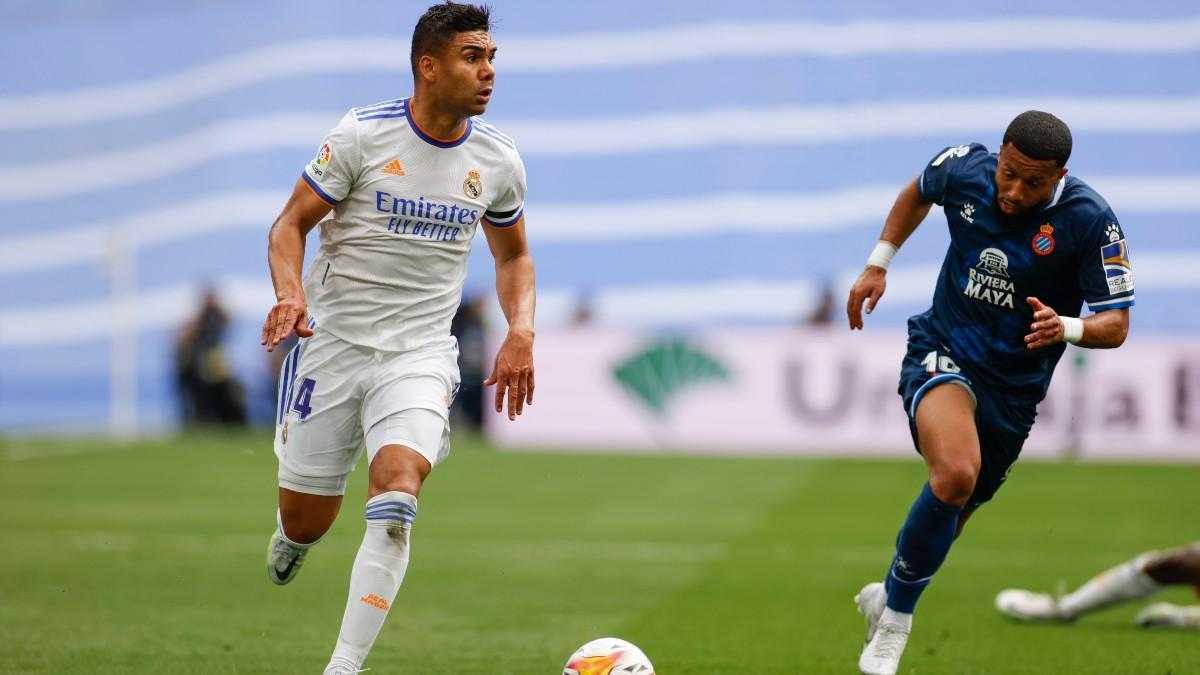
(608, 656)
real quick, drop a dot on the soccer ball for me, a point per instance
(608, 656)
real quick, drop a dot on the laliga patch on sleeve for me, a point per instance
(321, 161)
(1118, 271)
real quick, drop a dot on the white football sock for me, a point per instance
(378, 571)
(901, 619)
(1124, 582)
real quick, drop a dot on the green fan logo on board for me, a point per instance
(658, 373)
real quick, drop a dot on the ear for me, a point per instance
(427, 66)
(1062, 172)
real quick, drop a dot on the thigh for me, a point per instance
(926, 367)
(946, 432)
(409, 402)
(425, 432)
(1003, 426)
(318, 436)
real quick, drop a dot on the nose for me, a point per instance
(1015, 191)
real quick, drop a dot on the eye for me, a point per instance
(471, 58)
(1009, 174)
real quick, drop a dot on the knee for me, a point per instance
(398, 469)
(408, 483)
(953, 482)
(397, 478)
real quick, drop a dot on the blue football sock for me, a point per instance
(921, 547)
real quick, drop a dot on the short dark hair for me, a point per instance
(1040, 135)
(440, 23)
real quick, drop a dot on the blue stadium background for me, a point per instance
(688, 162)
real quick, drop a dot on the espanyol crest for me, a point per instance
(1043, 241)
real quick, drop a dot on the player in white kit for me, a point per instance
(408, 181)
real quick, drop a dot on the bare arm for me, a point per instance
(515, 276)
(1102, 330)
(907, 213)
(285, 254)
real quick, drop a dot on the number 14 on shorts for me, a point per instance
(935, 363)
(303, 404)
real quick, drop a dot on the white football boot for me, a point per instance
(1166, 615)
(881, 656)
(1029, 606)
(342, 669)
(283, 560)
(885, 640)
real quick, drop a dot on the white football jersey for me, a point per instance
(393, 257)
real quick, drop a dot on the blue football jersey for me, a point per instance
(1070, 251)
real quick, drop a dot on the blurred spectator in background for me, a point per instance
(822, 312)
(583, 313)
(208, 392)
(467, 326)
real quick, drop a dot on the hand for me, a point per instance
(869, 287)
(290, 313)
(1047, 328)
(513, 373)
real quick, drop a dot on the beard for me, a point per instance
(1007, 220)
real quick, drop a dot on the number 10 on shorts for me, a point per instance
(937, 364)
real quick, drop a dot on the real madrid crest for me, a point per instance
(285, 429)
(473, 186)
(1043, 241)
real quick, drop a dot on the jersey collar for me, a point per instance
(433, 140)
(1058, 192)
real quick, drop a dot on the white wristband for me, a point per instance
(883, 254)
(1072, 329)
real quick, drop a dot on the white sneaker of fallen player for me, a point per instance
(881, 656)
(1166, 615)
(1029, 606)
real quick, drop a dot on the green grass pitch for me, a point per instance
(149, 558)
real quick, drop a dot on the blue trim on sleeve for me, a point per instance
(323, 195)
(1115, 305)
(382, 104)
(506, 223)
(385, 116)
(492, 133)
(373, 111)
(480, 123)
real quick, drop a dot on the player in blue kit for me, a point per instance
(1028, 246)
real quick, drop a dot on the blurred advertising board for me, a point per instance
(825, 391)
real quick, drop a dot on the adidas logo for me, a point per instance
(372, 599)
(394, 168)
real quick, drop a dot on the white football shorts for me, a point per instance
(336, 398)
